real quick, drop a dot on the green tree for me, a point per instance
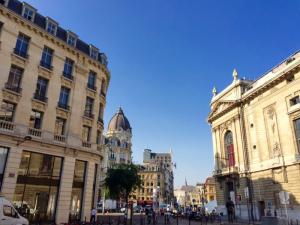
(121, 180)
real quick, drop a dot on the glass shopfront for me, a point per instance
(3, 158)
(37, 186)
(77, 190)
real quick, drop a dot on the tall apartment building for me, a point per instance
(156, 174)
(53, 88)
(255, 131)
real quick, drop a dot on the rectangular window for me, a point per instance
(92, 80)
(38, 180)
(36, 119)
(77, 190)
(100, 116)
(86, 132)
(28, 13)
(3, 158)
(64, 98)
(46, 60)
(51, 27)
(60, 124)
(68, 68)
(22, 46)
(98, 138)
(14, 79)
(94, 53)
(103, 87)
(1, 25)
(71, 40)
(41, 89)
(7, 111)
(297, 132)
(294, 101)
(89, 107)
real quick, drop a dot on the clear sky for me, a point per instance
(166, 55)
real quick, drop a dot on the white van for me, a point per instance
(9, 215)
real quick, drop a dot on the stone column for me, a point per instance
(11, 172)
(65, 190)
(88, 191)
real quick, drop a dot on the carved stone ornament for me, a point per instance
(62, 113)
(66, 82)
(37, 105)
(11, 96)
(80, 68)
(87, 122)
(45, 72)
(17, 60)
(91, 93)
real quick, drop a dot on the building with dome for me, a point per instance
(116, 143)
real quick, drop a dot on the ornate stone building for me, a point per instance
(53, 93)
(255, 132)
(116, 144)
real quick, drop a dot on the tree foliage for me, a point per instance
(121, 180)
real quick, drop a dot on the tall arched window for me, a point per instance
(229, 148)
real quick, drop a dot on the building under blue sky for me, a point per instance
(166, 56)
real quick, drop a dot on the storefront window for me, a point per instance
(77, 190)
(37, 186)
(3, 158)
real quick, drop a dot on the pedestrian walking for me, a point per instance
(230, 210)
(93, 215)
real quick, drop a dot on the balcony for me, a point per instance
(86, 144)
(68, 76)
(40, 97)
(46, 65)
(20, 53)
(59, 138)
(63, 106)
(92, 87)
(6, 125)
(88, 114)
(35, 132)
(13, 88)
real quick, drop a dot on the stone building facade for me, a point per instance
(255, 132)
(157, 177)
(116, 145)
(53, 93)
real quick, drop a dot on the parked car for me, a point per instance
(9, 215)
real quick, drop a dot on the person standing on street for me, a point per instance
(230, 210)
(93, 215)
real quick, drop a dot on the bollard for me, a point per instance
(177, 219)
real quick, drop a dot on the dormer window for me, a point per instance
(51, 26)
(71, 39)
(94, 52)
(28, 12)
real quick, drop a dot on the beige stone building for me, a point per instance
(210, 189)
(53, 88)
(157, 178)
(255, 133)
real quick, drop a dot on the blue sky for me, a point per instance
(166, 55)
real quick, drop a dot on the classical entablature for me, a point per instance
(222, 107)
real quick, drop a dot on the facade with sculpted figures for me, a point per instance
(255, 129)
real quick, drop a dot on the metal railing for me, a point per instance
(63, 106)
(40, 97)
(13, 88)
(86, 144)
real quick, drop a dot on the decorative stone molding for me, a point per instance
(11, 96)
(44, 72)
(18, 60)
(62, 113)
(87, 121)
(91, 93)
(67, 82)
(38, 105)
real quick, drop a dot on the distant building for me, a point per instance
(157, 175)
(255, 130)
(53, 93)
(210, 189)
(116, 144)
